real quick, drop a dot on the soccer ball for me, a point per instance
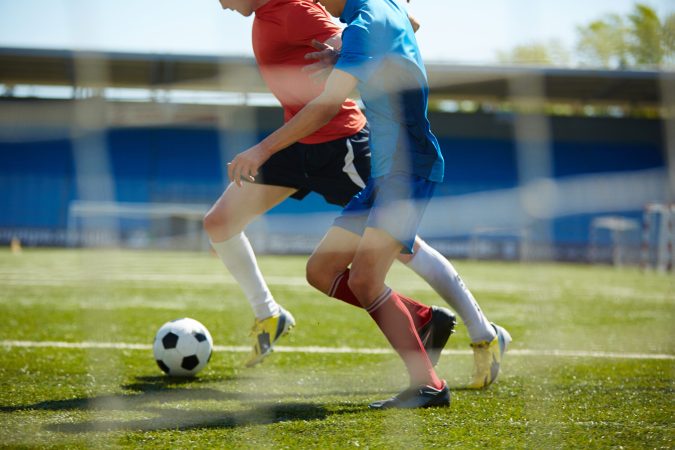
(182, 347)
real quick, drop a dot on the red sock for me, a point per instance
(421, 314)
(393, 318)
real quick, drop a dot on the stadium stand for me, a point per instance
(160, 150)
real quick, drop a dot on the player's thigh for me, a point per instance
(406, 257)
(374, 256)
(331, 257)
(238, 206)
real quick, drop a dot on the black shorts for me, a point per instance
(337, 170)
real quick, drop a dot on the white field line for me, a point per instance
(206, 280)
(64, 280)
(336, 350)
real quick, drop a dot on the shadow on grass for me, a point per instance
(147, 390)
(149, 394)
(189, 419)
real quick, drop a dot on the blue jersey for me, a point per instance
(379, 49)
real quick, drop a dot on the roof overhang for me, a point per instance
(239, 74)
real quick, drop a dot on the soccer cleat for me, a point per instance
(487, 357)
(267, 332)
(436, 333)
(416, 397)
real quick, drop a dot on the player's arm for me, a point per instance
(313, 116)
(329, 51)
(326, 57)
(334, 41)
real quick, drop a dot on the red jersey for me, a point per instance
(282, 35)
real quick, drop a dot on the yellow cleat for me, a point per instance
(487, 357)
(267, 332)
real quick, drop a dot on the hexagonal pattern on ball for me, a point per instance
(182, 347)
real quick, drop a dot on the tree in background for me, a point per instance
(639, 40)
(550, 53)
(604, 42)
(646, 37)
(669, 39)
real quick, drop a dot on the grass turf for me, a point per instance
(87, 397)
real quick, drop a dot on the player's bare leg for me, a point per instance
(331, 258)
(238, 206)
(224, 223)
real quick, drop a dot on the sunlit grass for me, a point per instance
(106, 397)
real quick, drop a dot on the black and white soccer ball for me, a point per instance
(182, 347)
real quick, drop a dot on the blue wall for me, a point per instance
(36, 183)
(37, 178)
(165, 165)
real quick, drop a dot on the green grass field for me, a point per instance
(592, 363)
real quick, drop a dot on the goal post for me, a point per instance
(658, 236)
(614, 239)
(136, 225)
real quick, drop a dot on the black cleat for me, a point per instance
(436, 333)
(416, 397)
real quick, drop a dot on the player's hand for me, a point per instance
(325, 58)
(245, 165)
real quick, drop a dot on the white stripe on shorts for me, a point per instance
(349, 167)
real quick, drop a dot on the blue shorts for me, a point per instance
(394, 203)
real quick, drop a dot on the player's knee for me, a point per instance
(312, 273)
(315, 272)
(218, 226)
(321, 271)
(220, 223)
(361, 284)
(211, 222)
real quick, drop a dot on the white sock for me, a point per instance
(444, 279)
(237, 255)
